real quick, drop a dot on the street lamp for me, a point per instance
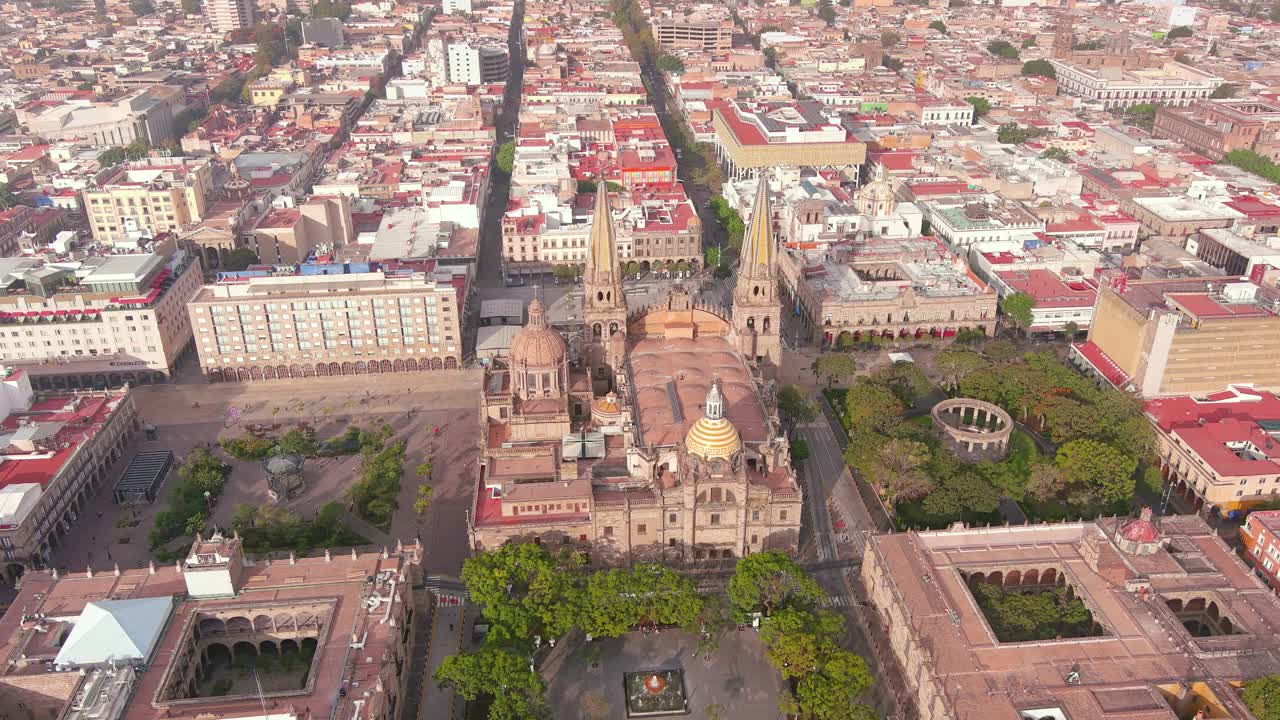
(208, 501)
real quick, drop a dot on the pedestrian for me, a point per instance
(450, 627)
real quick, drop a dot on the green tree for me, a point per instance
(798, 641)
(907, 381)
(8, 198)
(111, 157)
(873, 405)
(1018, 308)
(1011, 133)
(939, 26)
(422, 503)
(524, 590)
(892, 63)
(1262, 695)
(1089, 45)
(239, 259)
(299, 441)
(1225, 91)
(1039, 68)
(889, 38)
(1002, 49)
(1179, 32)
(794, 408)
(141, 7)
(835, 367)
(506, 157)
(956, 362)
(769, 581)
(191, 7)
(670, 63)
(962, 490)
(1028, 42)
(1056, 153)
(834, 691)
(565, 272)
(1104, 470)
(496, 672)
(799, 450)
(897, 467)
(827, 12)
(981, 106)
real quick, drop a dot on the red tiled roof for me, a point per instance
(1102, 363)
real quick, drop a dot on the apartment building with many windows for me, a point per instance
(329, 319)
(147, 197)
(98, 322)
(1261, 537)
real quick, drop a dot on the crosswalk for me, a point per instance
(837, 601)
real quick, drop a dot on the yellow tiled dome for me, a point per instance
(713, 436)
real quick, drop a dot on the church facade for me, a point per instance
(663, 443)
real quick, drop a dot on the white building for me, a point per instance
(988, 220)
(457, 6)
(947, 114)
(1173, 84)
(477, 64)
(229, 15)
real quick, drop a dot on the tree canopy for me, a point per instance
(506, 158)
(939, 26)
(1262, 696)
(1039, 68)
(1179, 32)
(1003, 49)
(770, 581)
(1018, 308)
(835, 367)
(524, 590)
(794, 407)
(981, 106)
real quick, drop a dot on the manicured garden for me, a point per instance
(1097, 437)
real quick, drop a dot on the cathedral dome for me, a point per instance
(537, 345)
(713, 436)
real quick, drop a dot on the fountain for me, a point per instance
(653, 693)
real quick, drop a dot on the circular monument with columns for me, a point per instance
(975, 430)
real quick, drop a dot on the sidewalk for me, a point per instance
(447, 627)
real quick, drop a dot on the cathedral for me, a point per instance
(661, 441)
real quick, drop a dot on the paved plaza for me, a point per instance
(191, 415)
(738, 677)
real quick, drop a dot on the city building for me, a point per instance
(279, 324)
(1183, 336)
(457, 6)
(885, 288)
(140, 199)
(1217, 451)
(1260, 534)
(652, 439)
(753, 137)
(702, 31)
(58, 450)
(325, 32)
(159, 642)
(1232, 253)
(1214, 128)
(471, 63)
(291, 235)
(1175, 84)
(981, 221)
(1174, 622)
(1180, 215)
(1062, 303)
(227, 16)
(97, 322)
(144, 115)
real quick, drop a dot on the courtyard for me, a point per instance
(586, 681)
(187, 416)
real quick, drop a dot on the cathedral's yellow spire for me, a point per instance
(757, 245)
(602, 257)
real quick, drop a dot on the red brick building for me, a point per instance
(1261, 536)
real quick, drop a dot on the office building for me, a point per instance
(321, 319)
(97, 322)
(141, 199)
(701, 31)
(1185, 336)
(230, 15)
(1173, 84)
(476, 64)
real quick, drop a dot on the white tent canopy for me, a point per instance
(121, 630)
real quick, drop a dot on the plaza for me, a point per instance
(737, 677)
(188, 416)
